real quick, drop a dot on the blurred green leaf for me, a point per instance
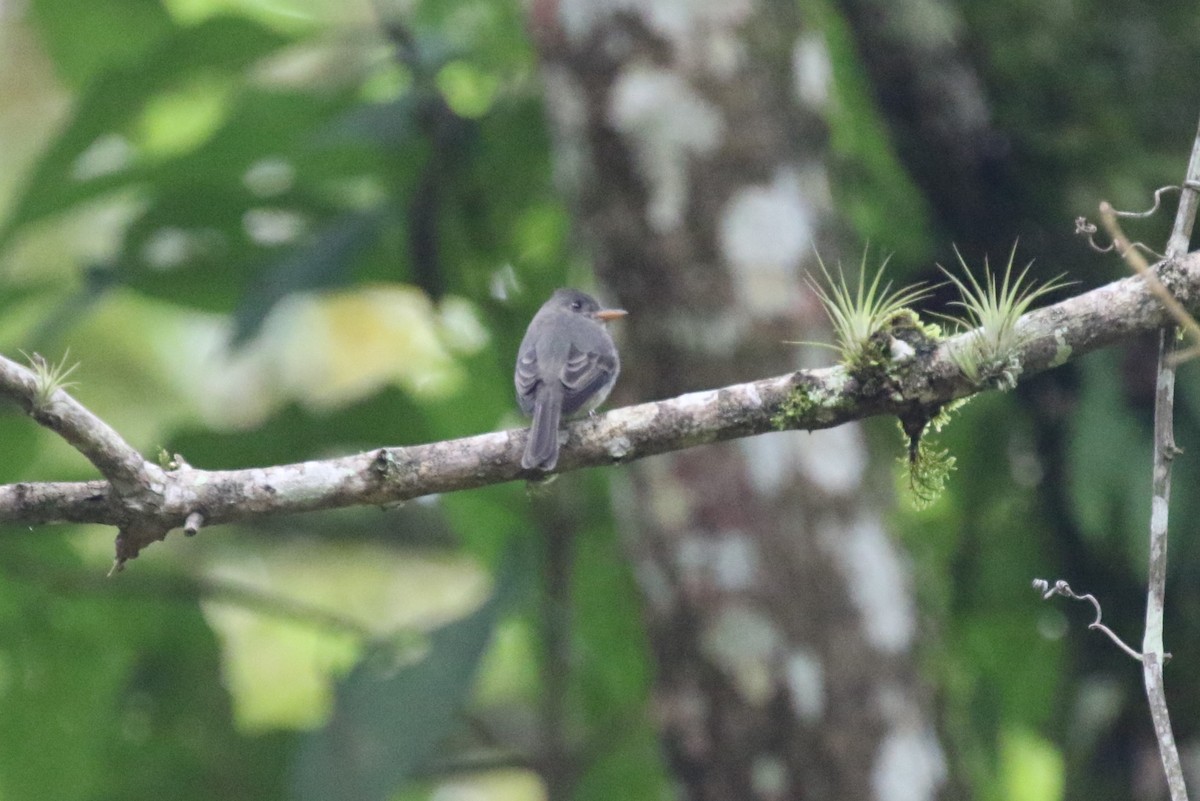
(323, 262)
(280, 128)
(113, 696)
(86, 37)
(190, 247)
(1110, 496)
(871, 178)
(1033, 768)
(493, 34)
(391, 713)
(468, 91)
(296, 433)
(94, 153)
(632, 762)
(18, 440)
(257, 212)
(503, 155)
(489, 521)
(614, 670)
(994, 665)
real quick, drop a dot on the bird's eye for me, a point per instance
(576, 305)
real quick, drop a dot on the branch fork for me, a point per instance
(134, 485)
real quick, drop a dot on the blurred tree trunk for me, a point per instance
(782, 617)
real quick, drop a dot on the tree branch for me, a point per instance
(809, 399)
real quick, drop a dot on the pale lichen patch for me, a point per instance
(668, 122)
(772, 461)
(877, 579)
(743, 643)
(805, 677)
(768, 776)
(727, 561)
(682, 22)
(812, 71)
(909, 766)
(834, 459)
(765, 232)
(1062, 351)
(618, 447)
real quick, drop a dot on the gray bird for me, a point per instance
(567, 365)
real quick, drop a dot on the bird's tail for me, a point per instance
(541, 451)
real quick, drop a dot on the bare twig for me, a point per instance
(1165, 451)
(1062, 588)
(191, 526)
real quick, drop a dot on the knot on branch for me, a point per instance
(384, 464)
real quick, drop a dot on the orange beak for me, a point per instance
(607, 315)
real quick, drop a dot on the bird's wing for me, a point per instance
(584, 373)
(526, 377)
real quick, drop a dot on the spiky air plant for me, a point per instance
(993, 309)
(49, 377)
(860, 314)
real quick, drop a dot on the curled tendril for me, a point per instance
(1084, 227)
(1150, 212)
(1062, 588)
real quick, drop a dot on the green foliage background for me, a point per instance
(271, 232)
